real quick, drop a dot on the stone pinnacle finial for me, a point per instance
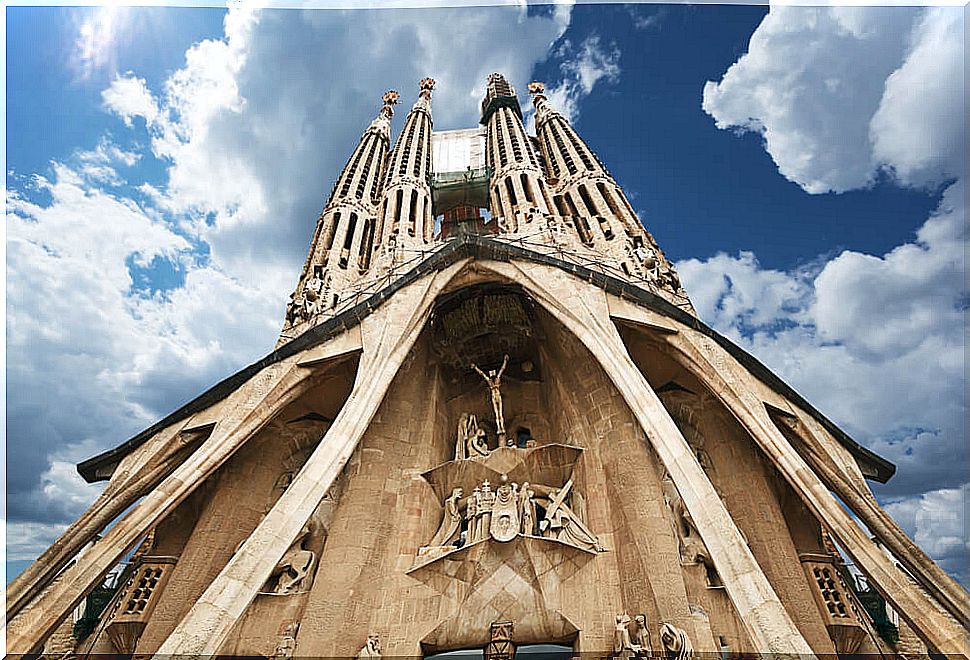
(537, 88)
(426, 85)
(390, 98)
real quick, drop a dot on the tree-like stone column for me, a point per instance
(388, 334)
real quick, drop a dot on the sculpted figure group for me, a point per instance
(509, 510)
(627, 644)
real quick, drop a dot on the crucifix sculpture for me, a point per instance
(494, 382)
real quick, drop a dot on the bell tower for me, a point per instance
(482, 432)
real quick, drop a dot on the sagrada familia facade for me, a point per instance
(492, 420)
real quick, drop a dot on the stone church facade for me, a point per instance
(492, 420)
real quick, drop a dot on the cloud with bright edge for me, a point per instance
(96, 351)
(840, 95)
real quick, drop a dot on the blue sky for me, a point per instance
(165, 167)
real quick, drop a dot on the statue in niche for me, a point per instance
(294, 566)
(675, 642)
(527, 509)
(313, 293)
(505, 511)
(494, 382)
(287, 642)
(471, 440)
(296, 309)
(451, 521)
(641, 636)
(372, 648)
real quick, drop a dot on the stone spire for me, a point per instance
(405, 218)
(517, 192)
(584, 189)
(343, 241)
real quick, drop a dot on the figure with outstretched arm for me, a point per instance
(494, 382)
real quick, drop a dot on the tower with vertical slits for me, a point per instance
(492, 423)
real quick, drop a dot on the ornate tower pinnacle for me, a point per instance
(405, 218)
(584, 189)
(517, 191)
(341, 248)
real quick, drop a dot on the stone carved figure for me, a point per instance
(675, 642)
(527, 509)
(312, 293)
(494, 382)
(563, 524)
(294, 566)
(471, 438)
(692, 548)
(505, 512)
(622, 644)
(451, 521)
(372, 648)
(471, 516)
(287, 643)
(461, 443)
(641, 635)
(486, 499)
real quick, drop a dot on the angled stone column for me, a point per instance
(738, 390)
(584, 311)
(387, 336)
(250, 408)
(858, 497)
(135, 475)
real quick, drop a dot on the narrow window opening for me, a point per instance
(587, 201)
(331, 231)
(412, 212)
(527, 188)
(508, 186)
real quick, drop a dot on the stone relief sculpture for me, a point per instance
(451, 521)
(287, 642)
(294, 567)
(675, 642)
(494, 382)
(372, 648)
(505, 512)
(561, 523)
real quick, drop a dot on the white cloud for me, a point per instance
(920, 126)
(936, 520)
(810, 83)
(582, 68)
(101, 31)
(875, 342)
(129, 97)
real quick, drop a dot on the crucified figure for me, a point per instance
(494, 382)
